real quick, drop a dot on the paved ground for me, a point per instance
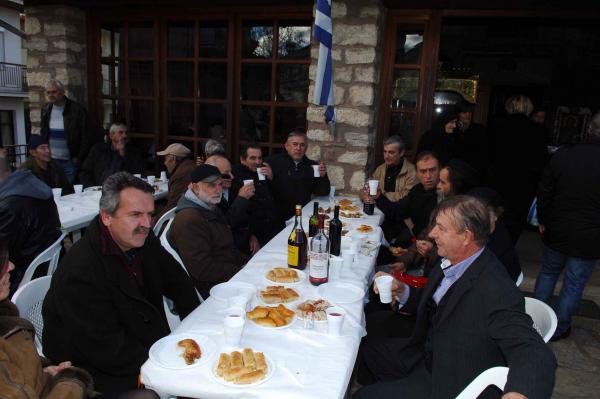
(579, 355)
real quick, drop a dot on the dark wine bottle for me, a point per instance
(313, 222)
(335, 232)
(297, 243)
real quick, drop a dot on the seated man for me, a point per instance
(292, 178)
(106, 159)
(104, 309)
(200, 232)
(179, 166)
(44, 167)
(29, 220)
(470, 317)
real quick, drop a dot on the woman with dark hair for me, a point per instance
(27, 375)
(441, 138)
(457, 177)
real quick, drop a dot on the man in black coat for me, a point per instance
(569, 220)
(292, 178)
(470, 317)
(104, 308)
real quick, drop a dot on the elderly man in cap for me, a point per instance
(44, 167)
(179, 166)
(200, 232)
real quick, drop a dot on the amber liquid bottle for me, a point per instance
(297, 243)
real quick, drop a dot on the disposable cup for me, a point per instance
(138, 175)
(384, 286)
(261, 176)
(237, 301)
(373, 184)
(335, 320)
(348, 257)
(335, 267)
(248, 181)
(331, 194)
(163, 176)
(316, 172)
(78, 188)
(233, 326)
(56, 192)
(151, 179)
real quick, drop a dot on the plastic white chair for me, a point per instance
(169, 215)
(544, 318)
(493, 376)
(520, 279)
(50, 254)
(29, 299)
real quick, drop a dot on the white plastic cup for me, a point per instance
(233, 326)
(151, 179)
(237, 301)
(261, 176)
(335, 267)
(384, 286)
(248, 181)
(78, 188)
(331, 194)
(316, 172)
(57, 192)
(138, 175)
(335, 320)
(348, 257)
(163, 176)
(373, 184)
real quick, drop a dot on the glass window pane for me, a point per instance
(256, 82)
(403, 125)
(142, 116)
(213, 39)
(106, 80)
(141, 78)
(254, 123)
(212, 121)
(180, 39)
(405, 89)
(257, 39)
(288, 120)
(212, 80)
(106, 42)
(292, 83)
(180, 79)
(141, 39)
(108, 114)
(294, 40)
(409, 42)
(180, 117)
(110, 34)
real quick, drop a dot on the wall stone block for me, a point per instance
(319, 135)
(336, 176)
(32, 25)
(365, 74)
(353, 116)
(360, 55)
(370, 11)
(338, 9)
(356, 139)
(361, 95)
(342, 74)
(36, 43)
(354, 157)
(354, 34)
(357, 181)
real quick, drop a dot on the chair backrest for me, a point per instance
(50, 254)
(169, 215)
(29, 299)
(520, 279)
(493, 376)
(544, 318)
(166, 245)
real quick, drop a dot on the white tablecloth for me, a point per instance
(309, 363)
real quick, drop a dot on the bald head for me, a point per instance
(224, 166)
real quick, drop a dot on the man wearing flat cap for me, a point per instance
(200, 232)
(44, 167)
(179, 166)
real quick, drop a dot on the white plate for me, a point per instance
(340, 292)
(167, 354)
(270, 372)
(224, 291)
(288, 325)
(92, 188)
(301, 276)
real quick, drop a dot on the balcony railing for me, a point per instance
(16, 154)
(12, 78)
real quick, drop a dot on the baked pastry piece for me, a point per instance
(268, 316)
(364, 228)
(314, 309)
(191, 350)
(278, 294)
(345, 202)
(283, 275)
(250, 367)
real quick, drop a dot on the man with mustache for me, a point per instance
(104, 309)
(200, 232)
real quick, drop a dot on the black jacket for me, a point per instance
(103, 161)
(569, 201)
(80, 136)
(264, 221)
(54, 176)
(294, 184)
(29, 220)
(417, 206)
(96, 317)
(235, 210)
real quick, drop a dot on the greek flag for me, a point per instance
(324, 82)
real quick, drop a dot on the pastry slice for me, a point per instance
(251, 377)
(191, 350)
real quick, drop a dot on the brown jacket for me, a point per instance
(205, 244)
(406, 179)
(21, 373)
(178, 184)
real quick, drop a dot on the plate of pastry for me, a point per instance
(182, 351)
(351, 215)
(274, 294)
(243, 368)
(313, 309)
(285, 275)
(272, 317)
(224, 291)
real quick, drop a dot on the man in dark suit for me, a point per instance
(470, 317)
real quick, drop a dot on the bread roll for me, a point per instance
(236, 359)
(261, 363)
(248, 356)
(224, 364)
(251, 377)
(265, 321)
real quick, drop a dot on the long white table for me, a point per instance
(309, 363)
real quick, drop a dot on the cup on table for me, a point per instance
(138, 175)
(163, 176)
(261, 176)
(316, 172)
(331, 195)
(233, 326)
(335, 267)
(384, 286)
(78, 188)
(151, 179)
(348, 258)
(335, 320)
(248, 181)
(56, 192)
(237, 301)
(373, 184)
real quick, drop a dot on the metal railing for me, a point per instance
(12, 77)
(16, 154)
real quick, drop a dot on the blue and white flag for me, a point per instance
(324, 82)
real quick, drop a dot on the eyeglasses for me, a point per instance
(226, 176)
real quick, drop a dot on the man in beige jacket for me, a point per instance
(396, 175)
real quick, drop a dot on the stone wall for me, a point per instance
(357, 55)
(56, 48)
